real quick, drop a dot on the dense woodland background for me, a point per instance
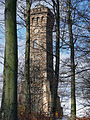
(71, 54)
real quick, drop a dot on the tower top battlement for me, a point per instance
(41, 15)
(39, 5)
(39, 9)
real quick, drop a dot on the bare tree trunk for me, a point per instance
(3, 94)
(10, 63)
(55, 81)
(73, 98)
(27, 58)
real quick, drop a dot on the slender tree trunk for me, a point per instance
(55, 81)
(73, 98)
(10, 64)
(27, 58)
(3, 94)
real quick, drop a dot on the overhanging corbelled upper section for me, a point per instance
(39, 9)
(39, 5)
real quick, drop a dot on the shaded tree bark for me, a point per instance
(9, 104)
(73, 98)
(55, 81)
(3, 94)
(27, 57)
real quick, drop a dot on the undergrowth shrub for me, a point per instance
(23, 114)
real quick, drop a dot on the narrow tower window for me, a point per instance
(37, 20)
(32, 20)
(35, 44)
(42, 18)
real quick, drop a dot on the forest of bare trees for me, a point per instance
(71, 59)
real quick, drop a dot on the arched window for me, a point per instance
(32, 20)
(42, 18)
(37, 20)
(35, 44)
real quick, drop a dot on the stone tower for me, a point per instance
(41, 57)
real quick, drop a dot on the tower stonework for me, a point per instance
(41, 58)
(41, 63)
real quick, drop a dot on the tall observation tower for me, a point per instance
(41, 57)
(41, 61)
